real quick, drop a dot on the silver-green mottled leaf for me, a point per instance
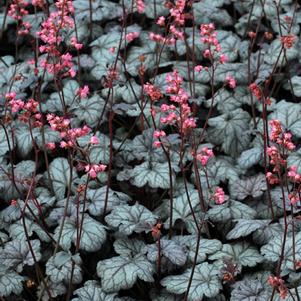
(59, 268)
(205, 282)
(123, 271)
(129, 219)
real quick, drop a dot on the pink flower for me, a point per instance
(205, 155)
(83, 92)
(50, 145)
(140, 6)
(94, 140)
(157, 144)
(231, 81)
(219, 195)
(161, 21)
(198, 68)
(94, 169)
(272, 179)
(132, 36)
(223, 58)
(158, 134)
(294, 197)
(75, 43)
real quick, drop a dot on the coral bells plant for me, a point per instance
(150, 150)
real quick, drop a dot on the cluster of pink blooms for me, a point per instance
(181, 116)
(288, 41)
(279, 137)
(208, 37)
(94, 169)
(279, 285)
(153, 92)
(205, 155)
(275, 152)
(140, 6)
(62, 125)
(83, 92)
(50, 34)
(177, 21)
(157, 135)
(255, 90)
(131, 36)
(29, 109)
(231, 81)
(17, 10)
(219, 195)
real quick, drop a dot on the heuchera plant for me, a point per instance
(150, 150)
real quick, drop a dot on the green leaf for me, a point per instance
(249, 290)
(241, 253)
(96, 200)
(24, 139)
(296, 83)
(218, 169)
(231, 210)
(272, 251)
(92, 291)
(289, 114)
(273, 50)
(249, 157)
(182, 211)
(169, 249)
(16, 230)
(4, 146)
(245, 227)
(93, 234)
(89, 110)
(59, 268)
(60, 174)
(155, 174)
(205, 282)
(99, 152)
(129, 219)
(231, 131)
(102, 10)
(206, 247)
(65, 97)
(128, 247)
(295, 159)
(208, 11)
(101, 46)
(252, 186)
(122, 272)
(10, 282)
(16, 254)
(55, 290)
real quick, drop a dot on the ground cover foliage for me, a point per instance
(150, 150)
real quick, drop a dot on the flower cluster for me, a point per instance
(153, 92)
(131, 36)
(255, 90)
(176, 22)
(279, 285)
(181, 115)
(83, 92)
(288, 41)
(50, 33)
(62, 125)
(29, 109)
(140, 6)
(205, 155)
(219, 195)
(17, 10)
(157, 135)
(94, 169)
